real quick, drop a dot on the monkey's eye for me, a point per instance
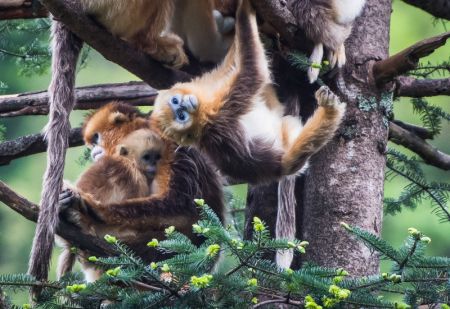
(95, 139)
(158, 157)
(147, 157)
(175, 100)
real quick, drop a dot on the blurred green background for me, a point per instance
(25, 175)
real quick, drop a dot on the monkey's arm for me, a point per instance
(154, 211)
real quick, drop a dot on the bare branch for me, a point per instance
(71, 233)
(421, 132)
(113, 48)
(437, 8)
(427, 152)
(14, 9)
(32, 144)
(386, 70)
(406, 86)
(91, 97)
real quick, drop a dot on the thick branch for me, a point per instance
(406, 60)
(36, 103)
(427, 152)
(22, 9)
(421, 132)
(112, 48)
(437, 8)
(32, 144)
(406, 86)
(277, 14)
(71, 233)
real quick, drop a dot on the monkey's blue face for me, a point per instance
(182, 107)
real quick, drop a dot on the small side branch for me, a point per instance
(71, 233)
(427, 152)
(15, 9)
(437, 8)
(32, 144)
(421, 132)
(406, 86)
(386, 70)
(91, 97)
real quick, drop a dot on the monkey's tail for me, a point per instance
(285, 226)
(66, 49)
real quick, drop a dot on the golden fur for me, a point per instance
(159, 27)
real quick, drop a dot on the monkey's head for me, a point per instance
(144, 148)
(104, 129)
(178, 115)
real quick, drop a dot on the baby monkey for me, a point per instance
(126, 174)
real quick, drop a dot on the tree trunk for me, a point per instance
(345, 179)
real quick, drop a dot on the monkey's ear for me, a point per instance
(118, 118)
(123, 151)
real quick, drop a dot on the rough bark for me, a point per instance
(345, 179)
(437, 8)
(91, 97)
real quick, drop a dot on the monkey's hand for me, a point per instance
(327, 99)
(71, 206)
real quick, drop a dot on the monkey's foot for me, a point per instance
(337, 57)
(316, 61)
(169, 50)
(225, 24)
(326, 98)
(183, 107)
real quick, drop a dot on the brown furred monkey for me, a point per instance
(234, 115)
(182, 175)
(144, 23)
(128, 173)
(328, 24)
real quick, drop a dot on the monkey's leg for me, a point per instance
(318, 130)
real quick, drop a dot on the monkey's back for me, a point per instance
(113, 180)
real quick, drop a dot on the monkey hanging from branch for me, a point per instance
(146, 25)
(234, 116)
(137, 186)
